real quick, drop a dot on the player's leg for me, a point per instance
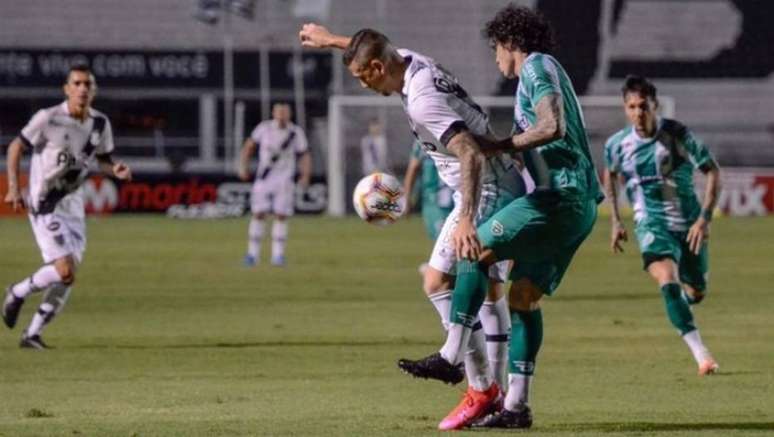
(694, 271)
(53, 301)
(259, 206)
(282, 205)
(496, 320)
(664, 271)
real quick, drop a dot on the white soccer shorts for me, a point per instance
(59, 234)
(273, 197)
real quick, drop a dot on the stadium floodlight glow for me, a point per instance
(603, 114)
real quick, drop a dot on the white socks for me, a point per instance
(442, 303)
(477, 368)
(699, 351)
(254, 236)
(40, 280)
(496, 319)
(279, 233)
(518, 392)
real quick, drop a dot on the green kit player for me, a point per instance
(436, 197)
(656, 157)
(540, 231)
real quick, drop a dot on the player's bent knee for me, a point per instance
(524, 295)
(66, 269)
(435, 281)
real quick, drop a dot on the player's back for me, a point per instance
(438, 107)
(565, 164)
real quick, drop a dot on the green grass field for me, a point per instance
(166, 334)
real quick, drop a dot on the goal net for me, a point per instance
(349, 117)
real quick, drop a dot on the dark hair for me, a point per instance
(639, 85)
(365, 44)
(83, 68)
(522, 28)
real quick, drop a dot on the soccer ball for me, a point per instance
(379, 199)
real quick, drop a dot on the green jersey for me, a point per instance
(434, 191)
(564, 165)
(658, 173)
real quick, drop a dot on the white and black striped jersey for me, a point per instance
(277, 150)
(63, 147)
(438, 108)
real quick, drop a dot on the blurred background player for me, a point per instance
(436, 203)
(541, 231)
(656, 157)
(444, 118)
(281, 145)
(64, 139)
(373, 149)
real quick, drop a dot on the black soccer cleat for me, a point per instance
(11, 307)
(506, 419)
(433, 367)
(32, 342)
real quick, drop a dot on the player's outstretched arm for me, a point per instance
(14, 196)
(549, 126)
(471, 160)
(618, 231)
(316, 36)
(118, 170)
(699, 231)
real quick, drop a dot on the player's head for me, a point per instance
(80, 86)
(280, 112)
(640, 102)
(517, 31)
(374, 61)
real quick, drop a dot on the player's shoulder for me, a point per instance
(674, 127)
(50, 112)
(96, 113)
(618, 138)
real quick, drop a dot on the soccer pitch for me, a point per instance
(166, 334)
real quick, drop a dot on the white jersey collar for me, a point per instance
(659, 122)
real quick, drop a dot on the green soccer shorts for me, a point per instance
(656, 243)
(541, 232)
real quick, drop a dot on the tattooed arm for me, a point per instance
(550, 126)
(471, 163)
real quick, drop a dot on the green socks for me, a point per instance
(470, 289)
(677, 308)
(526, 337)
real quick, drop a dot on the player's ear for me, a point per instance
(377, 65)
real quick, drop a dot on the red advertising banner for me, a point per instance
(185, 196)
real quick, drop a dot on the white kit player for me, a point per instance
(280, 145)
(444, 119)
(64, 139)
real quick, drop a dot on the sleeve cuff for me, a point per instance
(453, 129)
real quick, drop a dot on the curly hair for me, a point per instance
(522, 28)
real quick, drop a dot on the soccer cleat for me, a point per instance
(32, 342)
(708, 367)
(249, 261)
(433, 367)
(506, 419)
(278, 261)
(474, 405)
(11, 307)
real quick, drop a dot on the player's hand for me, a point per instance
(15, 199)
(618, 235)
(315, 36)
(697, 234)
(122, 171)
(466, 244)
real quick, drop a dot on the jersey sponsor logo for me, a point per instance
(54, 226)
